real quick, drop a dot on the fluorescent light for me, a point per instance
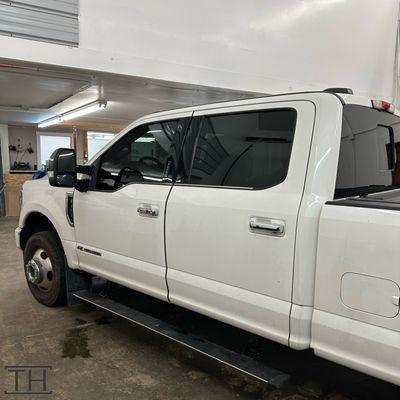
(89, 108)
(51, 121)
(86, 109)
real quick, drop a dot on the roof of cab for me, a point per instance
(345, 98)
(231, 103)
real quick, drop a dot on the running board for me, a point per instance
(240, 362)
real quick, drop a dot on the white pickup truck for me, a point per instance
(278, 215)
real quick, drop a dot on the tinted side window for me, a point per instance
(146, 154)
(244, 150)
(369, 158)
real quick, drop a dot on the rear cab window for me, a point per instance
(369, 158)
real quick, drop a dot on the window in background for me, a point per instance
(96, 141)
(48, 142)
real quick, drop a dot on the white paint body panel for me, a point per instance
(42, 198)
(361, 241)
(260, 314)
(365, 347)
(131, 246)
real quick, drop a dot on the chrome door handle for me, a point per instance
(267, 226)
(148, 210)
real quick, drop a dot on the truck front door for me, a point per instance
(119, 222)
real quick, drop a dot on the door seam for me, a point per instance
(166, 204)
(165, 243)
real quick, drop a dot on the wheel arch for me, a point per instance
(36, 222)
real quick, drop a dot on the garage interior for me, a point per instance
(90, 345)
(32, 94)
(91, 353)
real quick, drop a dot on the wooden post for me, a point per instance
(85, 147)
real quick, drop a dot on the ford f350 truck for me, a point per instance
(277, 215)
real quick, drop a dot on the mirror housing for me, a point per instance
(61, 168)
(83, 177)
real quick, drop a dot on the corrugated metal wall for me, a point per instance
(44, 20)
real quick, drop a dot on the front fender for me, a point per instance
(40, 197)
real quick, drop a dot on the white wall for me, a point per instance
(264, 46)
(5, 157)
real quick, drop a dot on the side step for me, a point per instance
(240, 362)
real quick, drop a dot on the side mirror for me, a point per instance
(83, 178)
(62, 168)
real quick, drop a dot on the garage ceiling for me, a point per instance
(32, 93)
(36, 90)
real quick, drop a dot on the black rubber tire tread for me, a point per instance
(50, 243)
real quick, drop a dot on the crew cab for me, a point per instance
(279, 215)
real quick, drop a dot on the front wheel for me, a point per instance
(45, 268)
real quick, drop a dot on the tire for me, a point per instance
(45, 248)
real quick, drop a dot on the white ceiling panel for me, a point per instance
(30, 94)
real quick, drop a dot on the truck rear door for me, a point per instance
(231, 217)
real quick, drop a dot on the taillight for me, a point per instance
(383, 106)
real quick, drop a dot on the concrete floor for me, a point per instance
(96, 356)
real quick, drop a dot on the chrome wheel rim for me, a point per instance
(39, 270)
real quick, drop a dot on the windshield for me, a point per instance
(369, 159)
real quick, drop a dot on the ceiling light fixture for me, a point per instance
(77, 112)
(48, 122)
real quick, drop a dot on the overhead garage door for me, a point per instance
(44, 20)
